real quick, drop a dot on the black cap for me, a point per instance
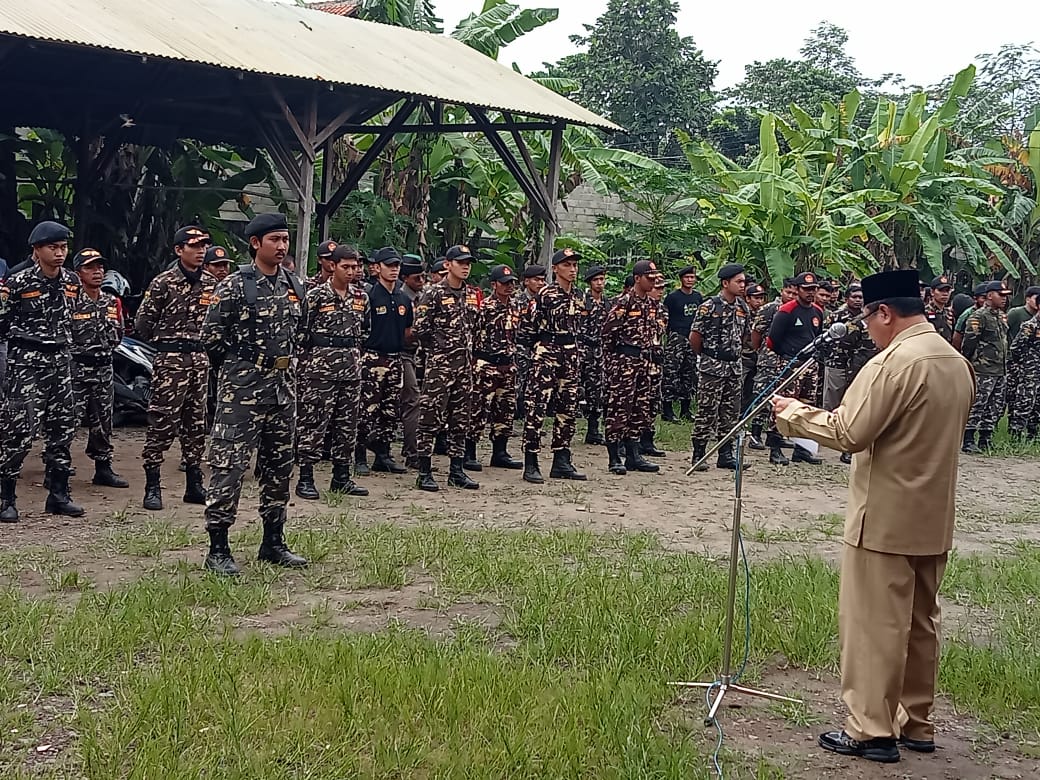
(458, 252)
(566, 254)
(890, 284)
(262, 224)
(387, 256)
(659, 281)
(594, 271)
(1031, 291)
(828, 285)
(190, 234)
(343, 252)
(644, 268)
(630, 280)
(48, 233)
(216, 254)
(534, 272)
(788, 281)
(941, 281)
(325, 249)
(730, 270)
(997, 287)
(438, 267)
(86, 257)
(502, 273)
(980, 289)
(412, 265)
(806, 280)
(855, 287)
(686, 269)
(754, 290)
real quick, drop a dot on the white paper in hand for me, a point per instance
(807, 444)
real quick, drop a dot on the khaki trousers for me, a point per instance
(889, 627)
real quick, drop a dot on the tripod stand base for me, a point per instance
(725, 687)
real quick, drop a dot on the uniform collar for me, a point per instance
(914, 330)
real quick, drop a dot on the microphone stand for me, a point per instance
(726, 683)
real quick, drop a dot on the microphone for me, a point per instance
(836, 331)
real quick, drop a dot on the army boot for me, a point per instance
(634, 460)
(969, 445)
(273, 548)
(984, 441)
(305, 487)
(104, 476)
(342, 483)
(500, 457)
(684, 410)
(470, 462)
(457, 476)
(698, 452)
(219, 560)
(668, 412)
(59, 500)
(802, 455)
(8, 510)
(755, 441)
(593, 435)
(728, 457)
(361, 461)
(562, 468)
(647, 446)
(615, 465)
(384, 461)
(152, 489)
(194, 489)
(776, 453)
(532, 473)
(440, 445)
(425, 480)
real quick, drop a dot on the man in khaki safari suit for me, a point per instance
(902, 418)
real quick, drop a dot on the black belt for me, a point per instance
(179, 345)
(631, 350)
(559, 339)
(714, 353)
(261, 361)
(384, 354)
(95, 361)
(333, 341)
(495, 359)
(38, 346)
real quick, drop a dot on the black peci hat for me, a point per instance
(890, 284)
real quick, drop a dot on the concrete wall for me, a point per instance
(579, 212)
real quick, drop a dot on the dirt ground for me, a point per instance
(792, 510)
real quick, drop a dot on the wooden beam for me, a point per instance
(328, 162)
(305, 208)
(294, 125)
(330, 129)
(536, 175)
(282, 158)
(552, 227)
(441, 127)
(515, 169)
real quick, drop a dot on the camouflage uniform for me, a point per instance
(445, 319)
(767, 362)
(329, 373)
(941, 319)
(551, 328)
(629, 333)
(36, 321)
(592, 355)
(96, 330)
(985, 345)
(494, 384)
(722, 327)
(1024, 354)
(844, 358)
(522, 357)
(659, 313)
(170, 317)
(256, 394)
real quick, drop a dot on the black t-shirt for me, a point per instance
(794, 328)
(682, 307)
(391, 314)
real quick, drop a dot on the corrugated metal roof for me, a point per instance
(282, 39)
(337, 7)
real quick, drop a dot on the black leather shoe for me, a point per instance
(846, 458)
(880, 749)
(918, 745)
(802, 455)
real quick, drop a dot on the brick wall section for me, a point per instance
(579, 212)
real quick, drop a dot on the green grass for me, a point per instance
(570, 680)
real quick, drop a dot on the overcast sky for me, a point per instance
(924, 40)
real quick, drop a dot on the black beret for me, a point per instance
(644, 268)
(85, 257)
(687, 269)
(534, 272)
(387, 256)
(891, 284)
(412, 265)
(190, 233)
(730, 270)
(941, 281)
(216, 254)
(502, 273)
(344, 252)
(594, 271)
(48, 233)
(458, 252)
(262, 224)
(325, 249)
(565, 254)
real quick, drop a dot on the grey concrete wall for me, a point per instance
(583, 206)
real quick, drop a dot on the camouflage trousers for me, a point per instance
(1024, 408)
(656, 374)
(630, 391)
(92, 391)
(494, 400)
(765, 373)
(592, 379)
(239, 431)
(680, 368)
(522, 359)
(382, 378)
(554, 383)
(444, 404)
(39, 396)
(327, 406)
(990, 392)
(180, 386)
(718, 405)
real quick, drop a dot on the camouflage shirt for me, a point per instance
(445, 319)
(941, 319)
(595, 314)
(631, 324)
(722, 326)
(495, 334)
(553, 319)
(255, 346)
(763, 319)
(96, 326)
(319, 279)
(985, 341)
(335, 330)
(1025, 349)
(35, 309)
(174, 307)
(852, 351)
